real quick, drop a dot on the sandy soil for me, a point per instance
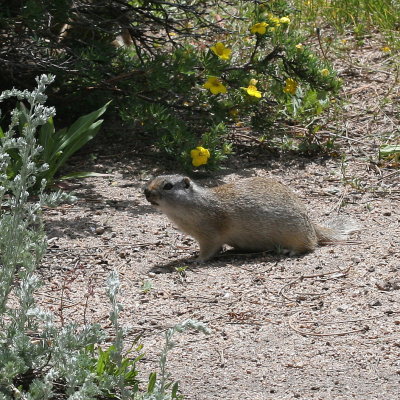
(322, 326)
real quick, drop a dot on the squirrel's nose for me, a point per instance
(150, 197)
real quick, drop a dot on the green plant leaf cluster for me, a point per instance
(58, 146)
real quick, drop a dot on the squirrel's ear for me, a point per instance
(186, 182)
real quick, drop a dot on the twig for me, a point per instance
(388, 175)
(339, 203)
(364, 330)
(304, 321)
(343, 137)
(300, 278)
(318, 32)
(221, 357)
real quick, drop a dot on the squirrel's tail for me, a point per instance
(336, 230)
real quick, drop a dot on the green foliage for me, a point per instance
(390, 153)
(158, 78)
(28, 336)
(107, 369)
(58, 146)
(360, 15)
(157, 387)
(146, 286)
(185, 112)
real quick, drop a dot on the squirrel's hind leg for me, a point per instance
(208, 248)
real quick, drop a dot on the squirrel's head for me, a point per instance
(167, 189)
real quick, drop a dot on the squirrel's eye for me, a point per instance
(168, 186)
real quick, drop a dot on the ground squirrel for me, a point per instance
(252, 214)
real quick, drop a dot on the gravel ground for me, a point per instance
(322, 326)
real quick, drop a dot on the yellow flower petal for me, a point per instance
(260, 28)
(214, 85)
(275, 20)
(291, 86)
(324, 72)
(221, 51)
(196, 162)
(199, 156)
(252, 91)
(299, 46)
(284, 20)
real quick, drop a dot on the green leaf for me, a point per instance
(84, 126)
(80, 175)
(388, 150)
(24, 116)
(46, 138)
(147, 286)
(152, 382)
(174, 392)
(102, 361)
(69, 141)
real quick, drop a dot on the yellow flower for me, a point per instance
(221, 51)
(251, 90)
(259, 28)
(324, 72)
(200, 156)
(291, 86)
(214, 85)
(299, 46)
(386, 49)
(275, 20)
(284, 20)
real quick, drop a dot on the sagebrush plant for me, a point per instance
(40, 359)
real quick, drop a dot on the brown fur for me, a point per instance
(253, 214)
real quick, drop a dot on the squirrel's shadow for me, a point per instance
(229, 256)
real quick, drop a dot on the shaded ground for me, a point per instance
(322, 326)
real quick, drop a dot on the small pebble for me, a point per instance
(100, 230)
